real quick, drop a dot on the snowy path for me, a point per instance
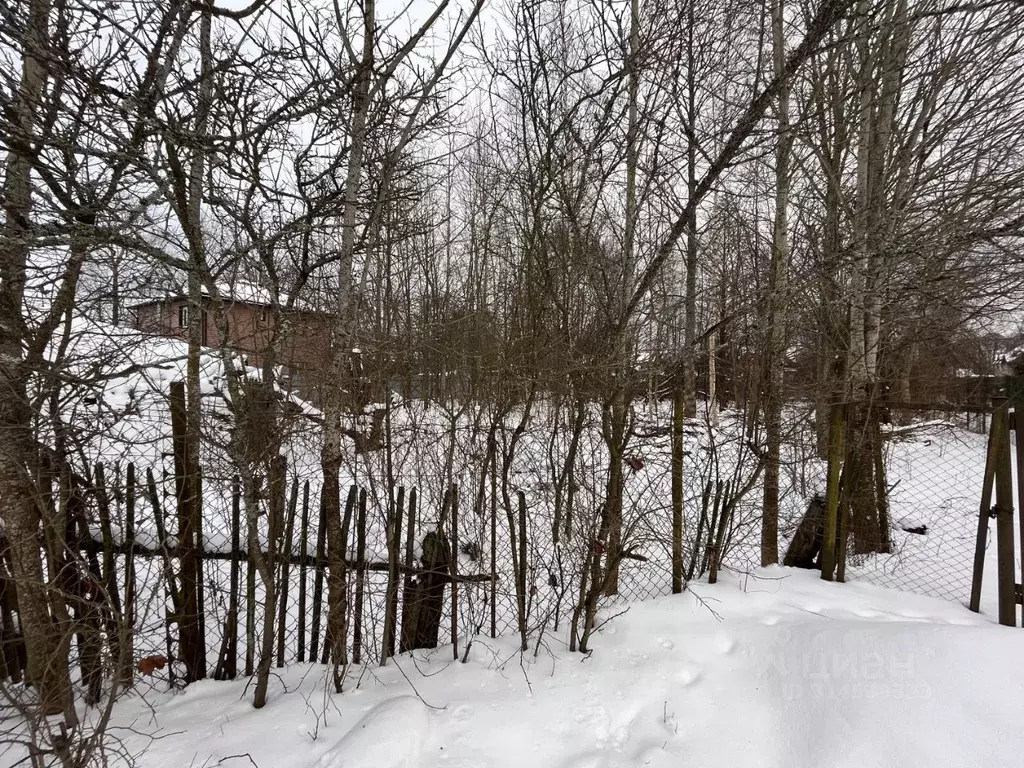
(787, 671)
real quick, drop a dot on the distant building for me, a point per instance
(302, 335)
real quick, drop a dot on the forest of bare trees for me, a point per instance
(539, 221)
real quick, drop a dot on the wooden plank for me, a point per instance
(170, 581)
(1005, 565)
(718, 532)
(250, 616)
(920, 406)
(521, 572)
(409, 609)
(494, 549)
(845, 512)
(228, 661)
(410, 532)
(357, 628)
(454, 566)
(303, 546)
(381, 566)
(394, 534)
(200, 568)
(128, 671)
(984, 512)
(1018, 425)
(318, 580)
(231, 667)
(110, 609)
(106, 532)
(285, 587)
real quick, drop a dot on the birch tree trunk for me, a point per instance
(340, 348)
(615, 434)
(882, 66)
(713, 378)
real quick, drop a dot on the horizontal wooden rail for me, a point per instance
(913, 406)
(92, 546)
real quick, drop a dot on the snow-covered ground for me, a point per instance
(766, 668)
(775, 669)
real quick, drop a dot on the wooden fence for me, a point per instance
(98, 573)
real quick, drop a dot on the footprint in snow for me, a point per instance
(725, 645)
(688, 675)
(667, 644)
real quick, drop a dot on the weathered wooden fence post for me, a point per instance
(250, 614)
(227, 661)
(286, 560)
(394, 534)
(454, 503)
(318, 580)
(200, 554)
(1004, 517)
(170, 582)
(360, 565)
(1018, 426)
(303, 566)
(984, 513)
(113, 614)
(521, 573)
(127, 651)
(494, 549)
(191, 644)
(409, 589)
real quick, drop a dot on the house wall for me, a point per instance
(160, 318)
(250, 331)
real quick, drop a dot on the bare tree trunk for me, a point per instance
(190, 637)
(775, 326)
(47, 666)
(713, 378)
(690, 303)
(265, 566)
(620, 403)
(678, 422)
(342, 337)
(879, 84)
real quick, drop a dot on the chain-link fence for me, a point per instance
(529, 531)
(933, 473)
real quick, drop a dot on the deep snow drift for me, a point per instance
(778, 669)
